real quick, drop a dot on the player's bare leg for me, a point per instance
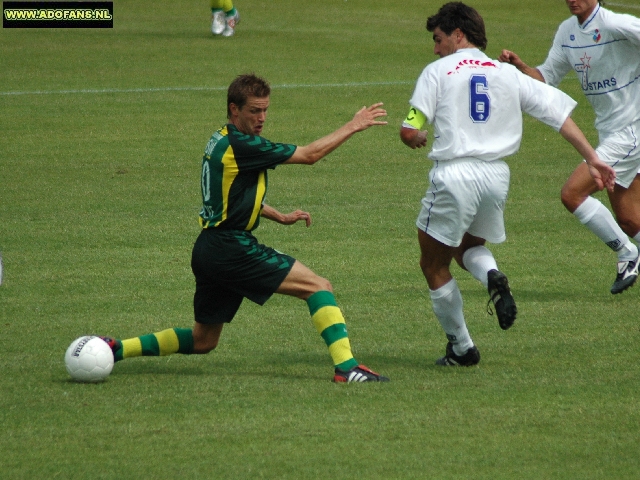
(576, 197)
(578, 187)
(303, 283)
(435, 260)
(446, 300)
(206, 337)
(626, 205)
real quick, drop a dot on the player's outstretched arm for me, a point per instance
(366, 117)
(603, 174)
(508, 56)
(285, 218)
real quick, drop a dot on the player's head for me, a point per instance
(247, 103)
(458, 16)
(582, 9)
(243, 87)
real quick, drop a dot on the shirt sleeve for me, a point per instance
(544, 102)
(424, 98)
(625, 27)
(556, 66)
(253, 152)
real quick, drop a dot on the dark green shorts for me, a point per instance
(230, 265)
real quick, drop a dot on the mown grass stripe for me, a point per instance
(196, 89)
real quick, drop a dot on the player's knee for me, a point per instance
(458, 257)
(310, 287)
(204, 341)
(429, 269)
(209, 348)
(577, 188)
(570, 198)
(322, 284)
(204, 347)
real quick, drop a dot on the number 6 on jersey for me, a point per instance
(480, 103)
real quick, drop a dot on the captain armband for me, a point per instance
(415, 119)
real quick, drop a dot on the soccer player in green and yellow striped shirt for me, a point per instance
(228, 262)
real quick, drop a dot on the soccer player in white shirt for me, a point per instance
(603, 48)
(475, 105)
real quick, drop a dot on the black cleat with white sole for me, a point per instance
(450, 359)
(627, 275)
(358, 374)
(503, 302)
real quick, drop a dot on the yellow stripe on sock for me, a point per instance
(167, 341)
(340, 351)
(131, 348)
(327, 316)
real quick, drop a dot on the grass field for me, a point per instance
(102, 138)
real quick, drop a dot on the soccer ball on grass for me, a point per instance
(89, 359)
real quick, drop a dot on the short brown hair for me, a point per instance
(458, 15)
(245, 86)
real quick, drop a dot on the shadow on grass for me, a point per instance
(314, 366)
(544, 295)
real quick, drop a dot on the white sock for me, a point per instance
(479, 260)
(637, 238)
(597, 218)
(447, 305)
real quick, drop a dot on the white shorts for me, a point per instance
(621, 150)
(465, 196)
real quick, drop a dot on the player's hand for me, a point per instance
(367, 117)
(420, 140)
(508, 56)
(413, 138)
(293, 217)
(603, 175)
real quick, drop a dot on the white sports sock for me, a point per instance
(597, 218)
(637, 238)
(479, 260)
(447, 305)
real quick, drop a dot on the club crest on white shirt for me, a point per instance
(583, 68)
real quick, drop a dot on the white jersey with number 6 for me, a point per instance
(475, 105)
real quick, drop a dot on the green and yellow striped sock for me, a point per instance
(329, 322)
(166, 342)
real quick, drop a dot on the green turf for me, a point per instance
(102, 136)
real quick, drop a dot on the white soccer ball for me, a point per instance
(89, 359)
